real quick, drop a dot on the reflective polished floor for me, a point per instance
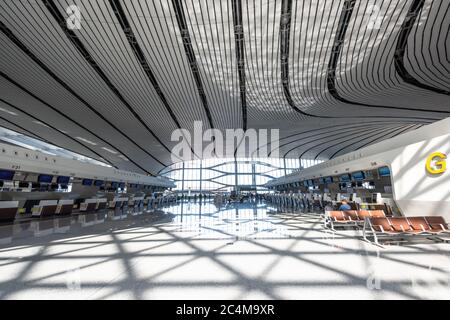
(204, 251)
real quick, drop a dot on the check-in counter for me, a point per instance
(64, 207)
(45, 208)
(118, 202)
(88, 205)
(8, 210)
(102, 204)
(136, 202)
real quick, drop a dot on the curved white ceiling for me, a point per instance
(333, 76)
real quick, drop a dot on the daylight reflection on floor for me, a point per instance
(204, 251)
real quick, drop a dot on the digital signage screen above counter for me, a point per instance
(359, 175)
(345, 178)
(99, 183)
(384, 172)
(87, 182)
(45, 178)
(6, 175)
(62, 180)
(329, 180)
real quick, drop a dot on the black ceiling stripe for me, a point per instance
(187, 44)
(52, 8)
(358, 81)
(34, 135)
(427, 71)
(344, 21)
(402, 41)
(52, 127)
(322, 128)
(137, 50)
(366, 134)
(335, 138)
(444, 76)
(66, 117)
(18, 43)
(240, 55)
(28, 132)
(344, 130)
(359, 126)
(285, 26)
(413, 127)
(132, 40)
(236, 6)
(381, 135)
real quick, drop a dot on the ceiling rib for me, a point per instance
(52, 8)
(22, 46)
(131, 38)
(411, 17)
(61, 113)
(337, 128)
(240, 56)
(344, 21)
(285, 25)
(335, 138)
(398, 129)
(33, 135)
(187, 44)
(315, 136)
(54, 128)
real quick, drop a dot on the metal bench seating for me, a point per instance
(353, 218)
(402, 228)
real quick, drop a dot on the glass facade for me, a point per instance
(230, 174)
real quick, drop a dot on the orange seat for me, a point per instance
(400, 224)
(437, 224)
(381, 225)
(337, 215)
(419, 224)
(351, 215)
(364, 214)
(377, 213)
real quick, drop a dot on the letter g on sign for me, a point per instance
(440, 163)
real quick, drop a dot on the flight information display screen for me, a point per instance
(6, 175)
(45, 178)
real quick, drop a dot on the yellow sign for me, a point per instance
(440, 165)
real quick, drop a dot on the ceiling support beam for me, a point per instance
(49, 125)
(336, 51)
(71, 35)
(400, 50)
(189, 50)
(240, 56)
(33, 57)
(140, 56)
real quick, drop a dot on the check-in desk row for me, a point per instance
(295, 201)
(65, 224)
(47, 208)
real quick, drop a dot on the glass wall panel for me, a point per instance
(221, 174)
